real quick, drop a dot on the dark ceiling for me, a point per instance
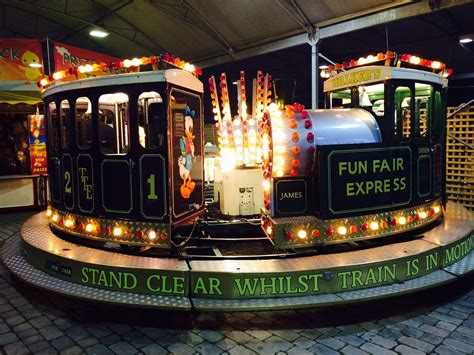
(192, 29)
(432, 36)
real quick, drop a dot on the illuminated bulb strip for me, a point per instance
(277, 142)
(215, 99)
(86, 227)
(126, 63)
(242, 97)
(225, 98)
(387, 57)
(378, 225)
(260, 89)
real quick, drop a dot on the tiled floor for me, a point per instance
(31, 321)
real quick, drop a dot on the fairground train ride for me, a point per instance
(128, 222)
(126, 151)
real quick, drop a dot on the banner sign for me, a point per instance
(37, 140)
(227, 284)
(66, 56)
(368, 179)
(21, 59)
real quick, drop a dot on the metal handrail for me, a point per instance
(461, 107)
(470, 146)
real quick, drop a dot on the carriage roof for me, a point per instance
(377, 73)
(174, 76)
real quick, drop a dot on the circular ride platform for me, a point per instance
(279, 281)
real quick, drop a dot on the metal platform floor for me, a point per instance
(441, 255)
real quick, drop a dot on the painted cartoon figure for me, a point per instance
(31, 73)
(185, 161)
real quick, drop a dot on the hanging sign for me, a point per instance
(21, 59)
(66, 56)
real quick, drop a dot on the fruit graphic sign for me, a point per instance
(21, 59)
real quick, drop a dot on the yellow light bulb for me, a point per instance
(89, 227)
(189, 67)
(117, 232)
(423, 214)
(342, 230)
(266, 185)
(279, 173)
(68, 223)
(55, 217)
(436, 209)
(302, 234)
(269, 230)
(415, 60)
(152, 235)
(49, 212)
(374, 226)
(402, 220)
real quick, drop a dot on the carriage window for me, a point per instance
(65, 124)
(423, 110)
(113, 123)
(437, 115)
(151, 120)
(371, 98)
(83, 122)
(341, 99)
(53, 127)
(402, 114)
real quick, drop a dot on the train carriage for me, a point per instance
(126, 156)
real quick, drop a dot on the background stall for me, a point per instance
(22, 143)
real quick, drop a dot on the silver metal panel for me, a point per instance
(431, 280)
(319, 262)
(36, 232)
(18, 266)
(202, 304)
(344, 126)
(463, 266)
(458, 222)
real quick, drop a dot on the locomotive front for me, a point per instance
(370, 168)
